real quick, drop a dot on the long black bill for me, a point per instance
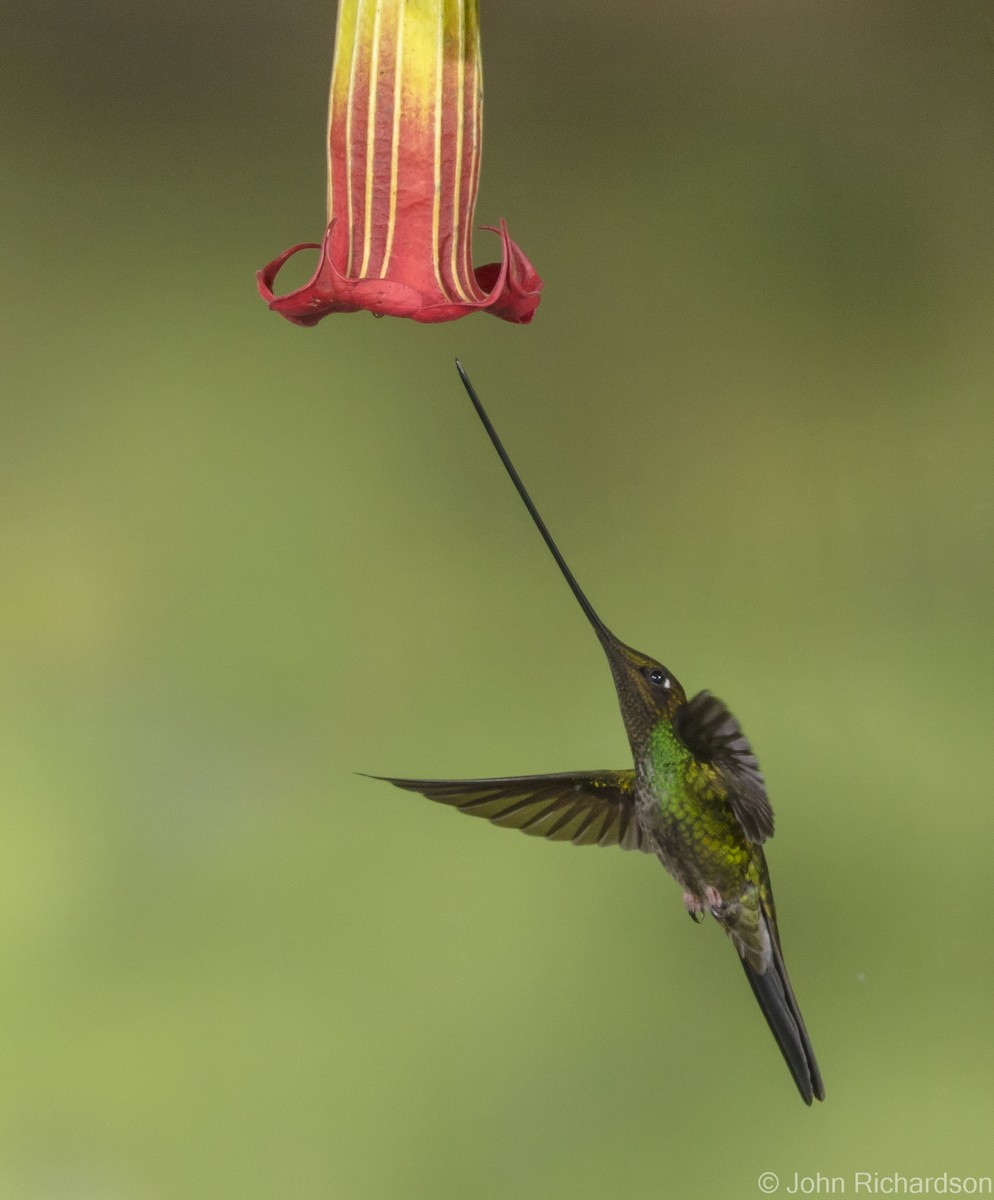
(605, 635)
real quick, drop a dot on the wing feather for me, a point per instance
(713, 735)
(592, 808)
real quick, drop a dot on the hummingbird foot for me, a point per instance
(727, 913)
(695, 909)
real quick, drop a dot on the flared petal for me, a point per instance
(511, 289)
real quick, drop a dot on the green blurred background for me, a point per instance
(242, 561)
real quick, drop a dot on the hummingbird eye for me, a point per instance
(657, 677)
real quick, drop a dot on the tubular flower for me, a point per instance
(405, 131)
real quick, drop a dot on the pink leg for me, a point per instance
(694, 907)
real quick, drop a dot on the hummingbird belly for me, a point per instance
(692, 830)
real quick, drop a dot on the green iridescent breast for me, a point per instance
(690, 809)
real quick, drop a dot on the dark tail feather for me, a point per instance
(776, 999)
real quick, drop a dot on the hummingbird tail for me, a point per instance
(776, 999)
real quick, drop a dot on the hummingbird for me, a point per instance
(695, 798)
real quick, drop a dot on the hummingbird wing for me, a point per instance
(591, 808)
(713, 735)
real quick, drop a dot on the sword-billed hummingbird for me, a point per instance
(695, 799)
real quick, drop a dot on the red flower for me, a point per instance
(404, 141)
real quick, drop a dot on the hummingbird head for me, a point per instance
(647, 692)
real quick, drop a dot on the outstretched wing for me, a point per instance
(714, 736)
(595, 808)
